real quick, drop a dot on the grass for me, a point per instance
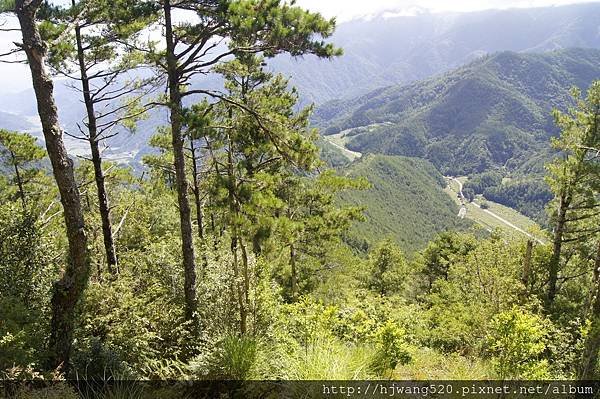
(428, 364)
(329, 360)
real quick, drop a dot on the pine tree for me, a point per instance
(87, 46)
(68, 290)
(574, 179)
(193, 48)
(19, 152)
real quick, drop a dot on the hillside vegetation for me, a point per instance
(492, 113)
(389, 50)
(406, 201)
(236, 255)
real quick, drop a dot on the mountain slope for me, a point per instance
(494, 112)
(393, 50)
(10, 121)
(406, 201)
(378, 52)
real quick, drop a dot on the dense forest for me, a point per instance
(238, 253)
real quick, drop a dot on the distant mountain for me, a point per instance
(384, 51)
(492, 113)
(378, 52)
(406, 202)
(10, 121)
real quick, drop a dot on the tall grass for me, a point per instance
(329, 359)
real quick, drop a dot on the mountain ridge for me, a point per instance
(487, 114)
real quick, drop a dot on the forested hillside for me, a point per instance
(378, 52)
(491, 116)
(391, 49)
(494, 112)
(405, 202)
(235, 253)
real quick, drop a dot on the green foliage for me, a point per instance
(479, 285)
(20, 157)
(391, 350)
(441, 253)
(405, 202)
(26, 272)
(388, 269)
(7, 6)
(527, 195)
(281, 293)
(492, 113)
(234, 358)
(574, 177)
(279, 26)
(517, 341)
(329, 360)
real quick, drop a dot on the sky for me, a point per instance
(15, 77)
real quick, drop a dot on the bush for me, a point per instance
(391, 349)
(517, 341)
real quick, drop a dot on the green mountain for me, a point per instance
(493, 113)
(405, 202)
(391, 49)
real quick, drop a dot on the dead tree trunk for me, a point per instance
(68, 290)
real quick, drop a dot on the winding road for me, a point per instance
(506, 222)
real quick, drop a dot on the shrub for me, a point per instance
(517, 340)
(391, 349)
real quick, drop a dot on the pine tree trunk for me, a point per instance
(181, 184)
(196, 190)
(527, 265)
(103, 205)
(68, 290)
(19, 180)
(589, 358)
(557, 241)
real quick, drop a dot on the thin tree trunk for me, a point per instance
(589, 358)
(294, 272)
(103, 205)
(527, 266)
(198, 201)
(68, 290)
(236, 275)
(557, 242)
(196, 190)
(176, 111)
(235, 243)
(246, 274)
(19, 180)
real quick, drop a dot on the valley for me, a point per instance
(491, 215)
(234, 198)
